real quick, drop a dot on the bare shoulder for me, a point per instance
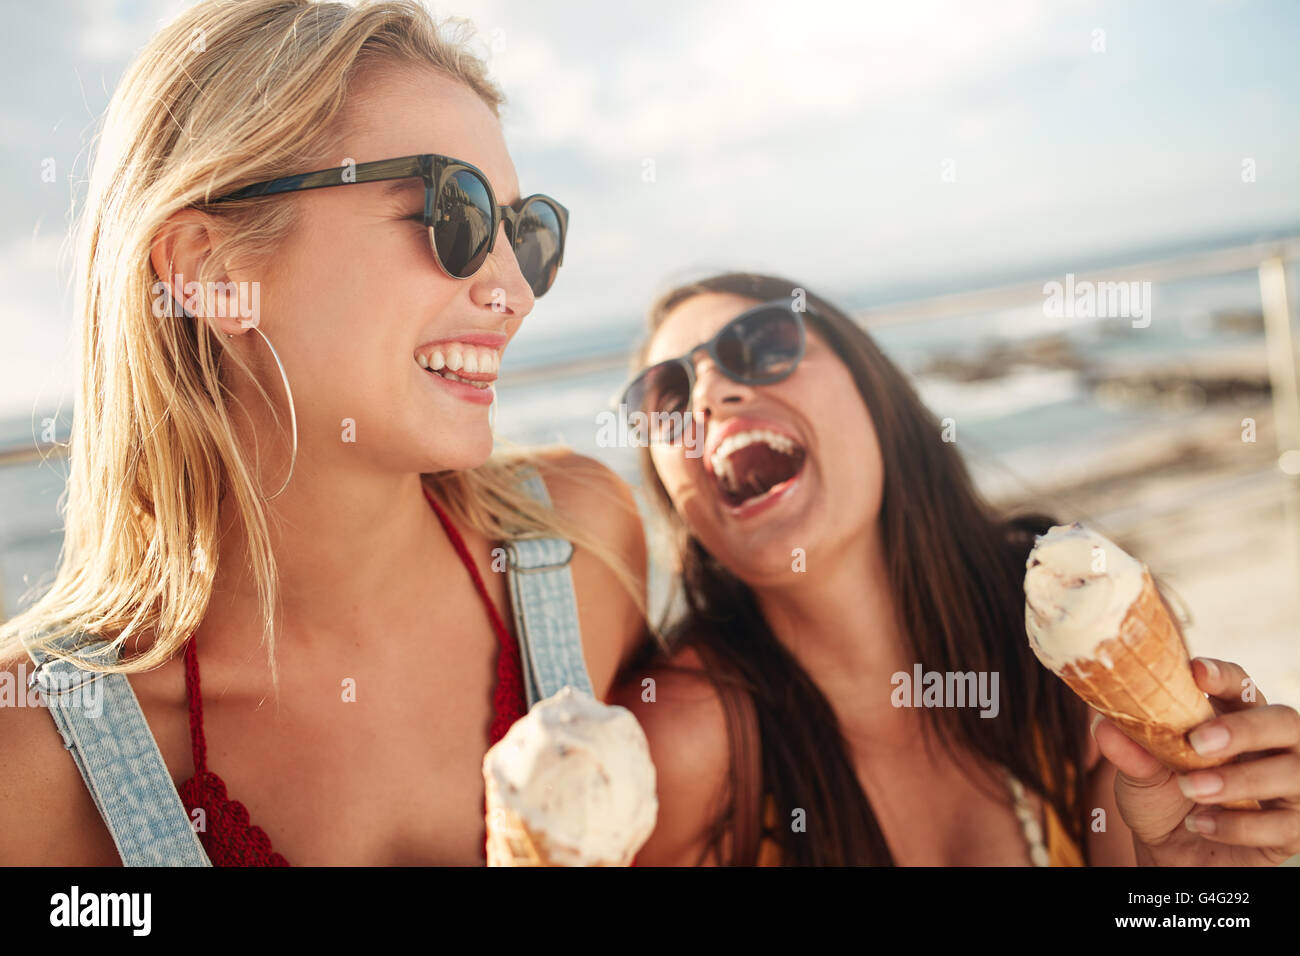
(590, 493)
(682, 716)
(47, 817)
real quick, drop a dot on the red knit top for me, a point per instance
(229, 838)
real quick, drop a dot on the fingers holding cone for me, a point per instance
(1230, 688)
(1095, 618)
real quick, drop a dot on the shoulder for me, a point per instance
(590, 493)
(604, 507)
(586, 489)
(47, 816)
(674, 697)
(682, 716)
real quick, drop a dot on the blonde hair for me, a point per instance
(228, 94)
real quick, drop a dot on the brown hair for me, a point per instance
(956, 569)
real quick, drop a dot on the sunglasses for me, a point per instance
(761, 346)
(460, 212)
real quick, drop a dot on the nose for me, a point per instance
(714, 390)
(500, 285)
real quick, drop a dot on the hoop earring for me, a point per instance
(293, 415)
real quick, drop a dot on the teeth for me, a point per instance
(733, 443)
(459, 357)
(456, 378)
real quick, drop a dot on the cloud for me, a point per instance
(112, 32)
(735, 73)
(35, 324)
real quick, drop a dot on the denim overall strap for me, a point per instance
(100, 721)
(545, 610)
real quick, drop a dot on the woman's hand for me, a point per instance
(1173, 816)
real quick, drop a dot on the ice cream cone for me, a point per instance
(508, 841)
(511, 843)
(1141, 677)
(570, 784)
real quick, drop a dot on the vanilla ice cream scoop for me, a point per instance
(1078, 587)
(574, 779)
(1095, 618)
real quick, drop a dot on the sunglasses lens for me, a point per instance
(538, 244)
(662, 393)
(760, 346)
(462, 223)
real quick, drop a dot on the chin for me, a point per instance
(774, 551)
(461, 454)
(774, 567)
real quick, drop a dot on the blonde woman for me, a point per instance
(303, 254)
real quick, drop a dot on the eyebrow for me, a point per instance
(394, 186)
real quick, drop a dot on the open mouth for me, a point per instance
(751, 465)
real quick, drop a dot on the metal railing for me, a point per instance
(1270, 258)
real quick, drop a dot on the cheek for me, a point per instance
(671, 466)
(348, 271)
(351, 309)
(867, 467)
(311, 296)
(687, 491)
(850, 448)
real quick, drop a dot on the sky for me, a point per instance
(863, 149)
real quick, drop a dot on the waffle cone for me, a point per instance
(510, 841)
(1148, 691)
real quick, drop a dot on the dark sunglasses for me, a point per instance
(460, 212)
(761, 346)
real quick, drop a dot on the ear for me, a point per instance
(183, 244)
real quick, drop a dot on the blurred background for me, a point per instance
(929, 166)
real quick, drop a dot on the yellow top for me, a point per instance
(1061, 849)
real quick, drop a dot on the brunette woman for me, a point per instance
(829, 540)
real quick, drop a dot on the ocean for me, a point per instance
(1025, 390)
(1013, 401)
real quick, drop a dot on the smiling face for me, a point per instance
(358, 308)
(794, 464)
